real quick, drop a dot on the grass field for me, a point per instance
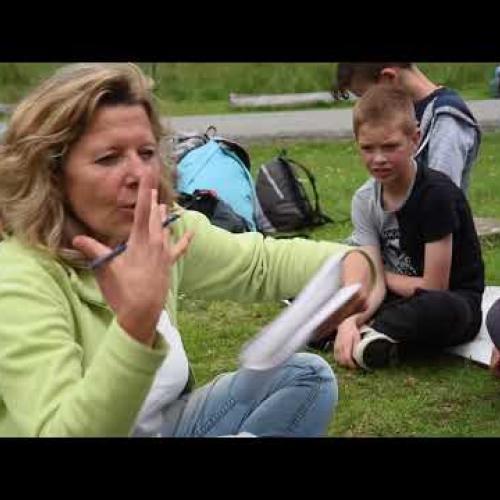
(203, 88)
(442, 396)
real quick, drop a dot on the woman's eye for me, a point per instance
(110, 159)
(147, 154)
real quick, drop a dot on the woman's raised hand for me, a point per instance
(136, 282)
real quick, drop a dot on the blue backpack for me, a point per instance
(207, 162)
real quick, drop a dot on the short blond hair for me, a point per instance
(41, 131)
(382, 104)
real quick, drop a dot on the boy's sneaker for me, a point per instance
(375, 350)
(242, 434)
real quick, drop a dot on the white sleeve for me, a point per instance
(171, 378)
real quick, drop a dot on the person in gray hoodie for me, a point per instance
(450, 135)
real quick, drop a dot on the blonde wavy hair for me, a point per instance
(42, 130)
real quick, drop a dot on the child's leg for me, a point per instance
(430, 320)
(493, 326)
(431, 317)
(493, 322)
(296, 399)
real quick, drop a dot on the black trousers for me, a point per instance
(430, 318)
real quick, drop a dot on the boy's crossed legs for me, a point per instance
(429, 320)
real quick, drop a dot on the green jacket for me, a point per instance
(68, 369)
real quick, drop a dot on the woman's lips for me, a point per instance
(127, 210)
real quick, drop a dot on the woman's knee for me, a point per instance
(313, 371)
(300, 370)
(313, 367)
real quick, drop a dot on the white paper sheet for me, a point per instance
(481, 347)
(295, 326)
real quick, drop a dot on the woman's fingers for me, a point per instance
(147, 228)
(156, 215)
(142, 213)
(181, 246)
(165, 230)
(156, 233)
(89, 247)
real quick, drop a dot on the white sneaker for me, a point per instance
(375, 350)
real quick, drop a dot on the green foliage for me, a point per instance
(462, 77)
(203, 88)
(17, 78)
(440, 396)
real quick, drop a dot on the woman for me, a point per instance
(96, 353)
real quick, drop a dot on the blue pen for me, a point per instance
(99, 261)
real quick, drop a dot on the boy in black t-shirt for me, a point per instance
(417, 225)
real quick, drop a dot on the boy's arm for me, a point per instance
(348, 334)
(377, 291)
(359, 266)
(366, 236)
(437, 268)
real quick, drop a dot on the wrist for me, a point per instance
(349, 322)
(142, 330)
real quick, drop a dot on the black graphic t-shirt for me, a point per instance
(434, 208)
(375, 226)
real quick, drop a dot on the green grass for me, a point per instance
(442, 396)
(203, 88)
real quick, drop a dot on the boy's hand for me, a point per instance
(348, 336)
(357, 304)
(495, 362)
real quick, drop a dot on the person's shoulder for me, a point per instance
(445, 95)
(18, 259)
(366, 191)
(188, 220)
(436, 178)
(450, 102)
(12, 250)
(437, 185)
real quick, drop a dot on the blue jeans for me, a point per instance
(296, 399)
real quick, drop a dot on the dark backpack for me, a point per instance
(283, 197)
(218, 211)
